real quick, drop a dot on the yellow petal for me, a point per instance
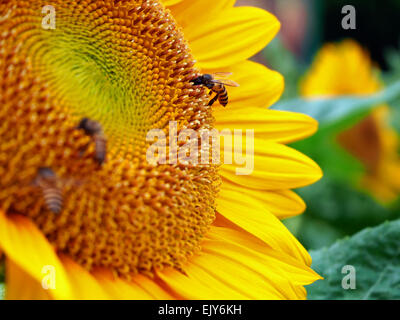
(250, 214)
(198, 284)
(278, 262)
(26, 246)
(84, 285)
(273, 167)
(281, 203)
(194, 15)
(259, 86)
(119, 289)
(227, 270)
(301, 292)
(168, 3)
(240, 275)
(21, 286)
(235, 36)
(273, 125)
(335, 69)
(153, 288)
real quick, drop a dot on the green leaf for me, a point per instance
(375, 255)
(343, 109)
(2, 291)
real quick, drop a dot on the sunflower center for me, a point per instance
(124, 64)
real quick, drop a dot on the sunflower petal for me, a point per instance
(26, 246)
(21, 286)
(277, 261)
(277, 126)
(153, 288)
(168, 3)
(194, 15)
(227, 270)
(236, 35)
(119, 289)
(281, 203)
(272, 167)
(198, 284)
(250, 215)
(266, 267)
(84, 285)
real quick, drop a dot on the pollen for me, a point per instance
(126, 65)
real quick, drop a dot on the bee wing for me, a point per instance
(226, 82)
(221, 75)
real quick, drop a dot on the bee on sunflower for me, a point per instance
(346, 69)
(128, 229)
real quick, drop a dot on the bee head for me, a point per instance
(197, 81)
(46, 172)
(83, 123)
(202, 80)
(89, 126)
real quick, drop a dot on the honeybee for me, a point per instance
(93, 129)
(46, 179)
(216, 82)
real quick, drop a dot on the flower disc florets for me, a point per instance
(126, 65)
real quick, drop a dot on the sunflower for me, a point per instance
(346, 69)
(129, 229)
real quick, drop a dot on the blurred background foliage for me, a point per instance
(336, 206)
(344, 223)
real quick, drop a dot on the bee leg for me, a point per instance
(211, 102)
(210, 93)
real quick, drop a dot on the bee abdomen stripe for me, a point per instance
(100, 149)
(53, 199)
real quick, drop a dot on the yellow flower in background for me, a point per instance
(346, 69)
(129, 229)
